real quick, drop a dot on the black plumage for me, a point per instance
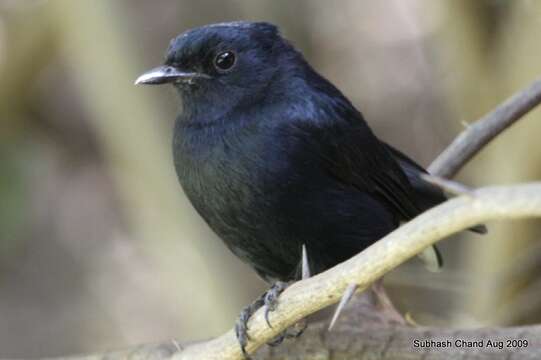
(273, 156)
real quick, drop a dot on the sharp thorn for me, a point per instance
(346, 297)
(177, 345)
(305, 266)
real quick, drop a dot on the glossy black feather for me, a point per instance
(273, 156)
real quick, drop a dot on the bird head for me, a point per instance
(223, 63)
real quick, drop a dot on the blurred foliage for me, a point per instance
(99, 248)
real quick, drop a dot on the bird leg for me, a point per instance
(269, 300)
(241, 326)
(296, 330)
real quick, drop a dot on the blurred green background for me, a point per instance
(99, 247)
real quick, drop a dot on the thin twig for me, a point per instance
(449, 186)
(481, 132)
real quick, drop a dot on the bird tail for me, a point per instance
(432, 259)
(479, 229)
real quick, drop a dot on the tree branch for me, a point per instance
(361, 334)
(372, 340)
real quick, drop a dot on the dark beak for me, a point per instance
(167, 74)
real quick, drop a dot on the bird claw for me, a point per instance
(242, 337)
(269, 300)
(293, 332)
(241, 326)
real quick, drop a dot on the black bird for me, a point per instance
(274, 157)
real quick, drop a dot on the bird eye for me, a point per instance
(224, 60)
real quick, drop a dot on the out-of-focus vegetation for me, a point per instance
(99, 248)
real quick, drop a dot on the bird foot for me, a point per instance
(241, 326)
(269, 300)
(293, 332)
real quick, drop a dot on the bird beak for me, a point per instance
(167, 74)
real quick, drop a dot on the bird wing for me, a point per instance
(426, 194)
(352, 155)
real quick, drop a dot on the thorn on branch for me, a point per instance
(177, 345)
(305, 265)
(346, 297)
